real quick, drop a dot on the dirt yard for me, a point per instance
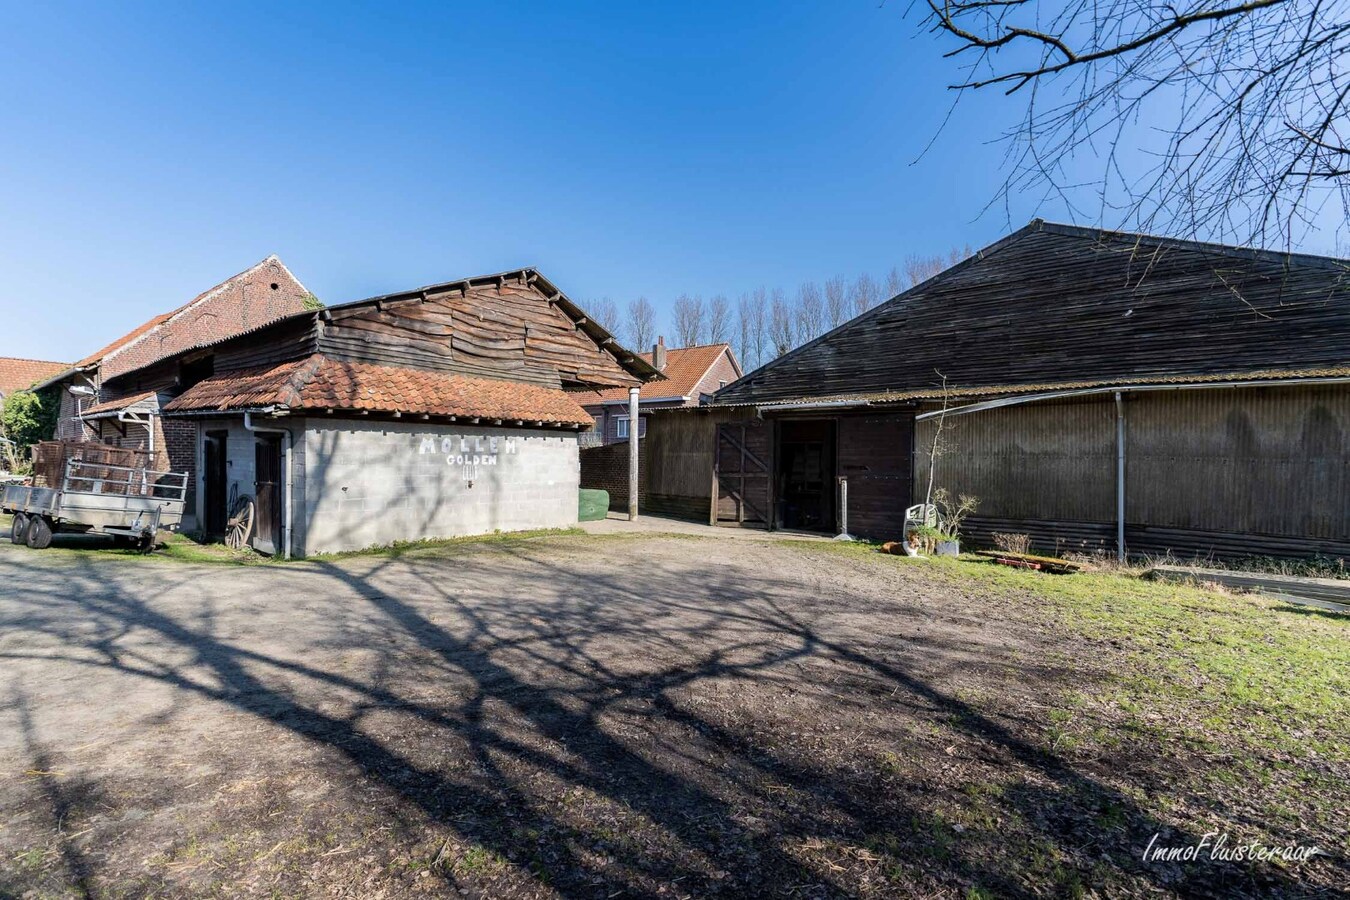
(606, 716)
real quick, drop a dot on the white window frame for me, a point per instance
(621, 428)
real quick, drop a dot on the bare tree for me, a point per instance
(640, 327)
(782, 324)
(689, 320)
(810, 313)
(865, 294)
(1225, 119)
(919, 269)
(895, 282)
(604, 311)
(719, 320)
(753, 313)
(836, 302)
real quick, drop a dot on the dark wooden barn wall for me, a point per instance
(1228, 471)
(679, 449)
(283, 342)
(874, 455)
(511, 332)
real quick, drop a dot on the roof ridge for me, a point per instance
(1162, 240)
(213, 291)
(45, 362)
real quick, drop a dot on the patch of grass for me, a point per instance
(183, 549)
(479, 860)
(434, 548)
(1187, 670)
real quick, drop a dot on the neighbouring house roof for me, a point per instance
(20, 374)
(1058, 307)
(243, 302)
(320, 384)
(685, 368)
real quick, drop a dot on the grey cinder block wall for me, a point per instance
(369, 484)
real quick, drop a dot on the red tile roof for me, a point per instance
(685, 368)
(125, 339)
(20, 374)
(257, 296)
(319, 383)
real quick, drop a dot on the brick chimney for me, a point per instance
(659, 354)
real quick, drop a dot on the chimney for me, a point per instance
(659, 354)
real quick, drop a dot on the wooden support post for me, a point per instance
(633, 422)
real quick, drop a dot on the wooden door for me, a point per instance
(742, 473)
(267, 493)
(215, 514)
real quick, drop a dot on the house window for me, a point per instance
(621, 428)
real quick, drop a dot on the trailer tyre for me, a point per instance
(18, 529)
(39, 533)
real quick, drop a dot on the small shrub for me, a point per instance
(1011, 542)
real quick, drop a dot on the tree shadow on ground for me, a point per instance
(681, 729)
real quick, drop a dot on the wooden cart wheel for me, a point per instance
(18, 529)
(39, 533)
(240, 527)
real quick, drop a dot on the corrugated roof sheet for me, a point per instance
(320, 383)
(955, 392)
(144, 400)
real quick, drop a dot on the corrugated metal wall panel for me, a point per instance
(1267, 461)
(1052, 461)
(1256, 461)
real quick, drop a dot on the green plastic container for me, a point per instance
(593, 505)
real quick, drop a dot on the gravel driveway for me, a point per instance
(573, 715)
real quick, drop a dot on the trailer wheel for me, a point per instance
(39, 533)
(18, 529)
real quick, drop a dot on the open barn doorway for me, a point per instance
(216, 475)
(806, 474)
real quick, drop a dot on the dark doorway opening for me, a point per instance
(267, 492)
(215, 514)
(806, 470)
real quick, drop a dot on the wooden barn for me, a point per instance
(1096, 390)
(440, 411)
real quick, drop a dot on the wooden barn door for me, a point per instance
(267, 490)
(742, 473)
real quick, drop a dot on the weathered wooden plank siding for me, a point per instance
(510, 332)
(679, 450)
(1235, 470)
(874, 455)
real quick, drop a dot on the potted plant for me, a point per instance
(948, 540)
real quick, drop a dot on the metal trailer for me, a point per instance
(130, 504)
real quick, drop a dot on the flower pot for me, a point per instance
(948, 548)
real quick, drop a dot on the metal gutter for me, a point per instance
(821, 404)
(1125, 388)
(624, 402)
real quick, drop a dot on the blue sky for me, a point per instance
(148, 152)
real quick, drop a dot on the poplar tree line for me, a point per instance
(765, 323)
